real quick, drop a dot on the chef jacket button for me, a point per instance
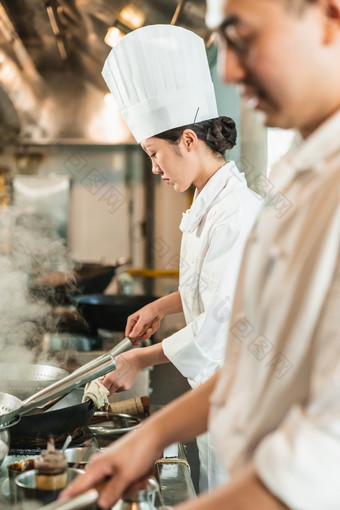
(276, 251)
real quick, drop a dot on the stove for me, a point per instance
(79, 436)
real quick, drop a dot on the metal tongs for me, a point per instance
(95, 368)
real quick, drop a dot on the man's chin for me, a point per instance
(272, 119)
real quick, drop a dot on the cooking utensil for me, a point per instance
(14, 470)
(122, 346)
(86, 278)
(24, 379)
(113, 424)
(79, 502)
(11, 408)
(78, 457)
(133, 406)
(4, 445)
(68, 416)
(66, 444)
(110, 311)
(26, 489)
(142, 499)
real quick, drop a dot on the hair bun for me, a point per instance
(222, 134)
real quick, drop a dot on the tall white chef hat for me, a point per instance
(160, 78)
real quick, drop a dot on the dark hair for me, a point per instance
(218, 134)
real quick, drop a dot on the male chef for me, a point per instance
(274, 408)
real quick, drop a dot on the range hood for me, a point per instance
(51, 56)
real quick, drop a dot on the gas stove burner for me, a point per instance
(79, 436)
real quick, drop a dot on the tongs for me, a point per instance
(95, 368)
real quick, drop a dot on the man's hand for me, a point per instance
(132, 457)
(128, 461)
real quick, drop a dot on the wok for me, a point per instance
(62, 419)
(110, 311)
(11, 408)
(59, 287)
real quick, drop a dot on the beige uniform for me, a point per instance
(278, 397)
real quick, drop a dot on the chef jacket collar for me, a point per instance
(309, 154)
(203, 200)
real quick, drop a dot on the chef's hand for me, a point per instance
(127, 461)
(125, 374)
(144, 323)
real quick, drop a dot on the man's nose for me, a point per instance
(229, 65)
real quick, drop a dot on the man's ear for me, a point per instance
(331, 9)
(189, 139)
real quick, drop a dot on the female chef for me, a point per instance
(160, 77)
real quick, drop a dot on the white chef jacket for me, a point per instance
(278, 398)
(215, 229)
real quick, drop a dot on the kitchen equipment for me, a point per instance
(4, 445)
(113, 424)
(78, 457)
(11, 408)
(135, 500)
(66, 443)
(110, 311)
(85, 278)
(14, 470)
(67, 417)
(26, 489)
(24, 379)
(173, 474)
(142, 499)
(133, 406)
(85, 500)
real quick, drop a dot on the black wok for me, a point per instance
(109, 311)
(88, 278)
(60, 420)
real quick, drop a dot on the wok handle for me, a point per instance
(83, 375)
(88, 372)
(123, 346)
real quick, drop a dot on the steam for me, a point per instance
(29, 250)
